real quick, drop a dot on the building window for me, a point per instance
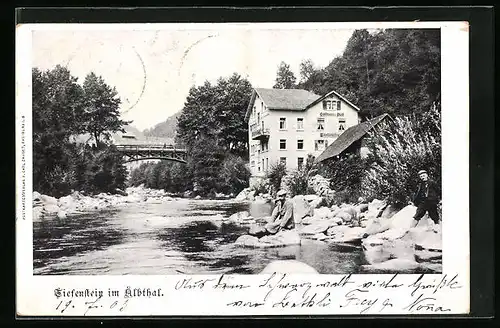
(282, 123)
(320, 145)
(300, 162)
(258, 117)
(321, 124)
(300, 123)
(252, 163)
(282, 143)
(263, 167)
(262, 125)
(300, 144)
(267, 164)
(341, 124)
(254, 110)
(264, 146)
(283, 160)
(331, 105)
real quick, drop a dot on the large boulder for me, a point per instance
(301, 208)
(389, 211)
(377, 225)
(48, 200)
(282, 238)
(247, 241)
(345, 234)
(318, 226)
(288, 266)
(323, 213)
(256, 229)
(378, 249)
(426, 239)
(404, 218)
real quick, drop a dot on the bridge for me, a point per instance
(140, 152)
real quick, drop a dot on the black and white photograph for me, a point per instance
(219, 153)
(236, 151)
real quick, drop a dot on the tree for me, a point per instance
(57, 102)
(101, 109)
(390, 71)
(285, 79)
(306, 69)
(218, 112)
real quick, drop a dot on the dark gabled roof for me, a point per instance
(351, 135)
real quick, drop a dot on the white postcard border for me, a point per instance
(36, 295)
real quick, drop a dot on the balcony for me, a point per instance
(260, 134)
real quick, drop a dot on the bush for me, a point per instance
(276, 172)
(345, 175)
(262, 187)
(398, 150)
(99, 170)
(235, 174)
(297, 183)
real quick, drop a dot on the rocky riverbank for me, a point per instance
(77, 203)
(384, 233)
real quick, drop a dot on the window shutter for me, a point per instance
(338, 105)
(324, 104)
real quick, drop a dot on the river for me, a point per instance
(183, 236)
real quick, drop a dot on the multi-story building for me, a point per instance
(287, 125)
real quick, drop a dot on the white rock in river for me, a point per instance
(315, 227)
(282, 238)
(247, 240)
(288, 266)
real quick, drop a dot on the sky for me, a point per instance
(154, 69)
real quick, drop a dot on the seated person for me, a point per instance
(281, 218)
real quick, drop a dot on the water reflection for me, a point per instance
(168, 238)
(56, 238)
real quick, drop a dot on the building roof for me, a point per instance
(289, 99)
(282, 99)
(351, 135)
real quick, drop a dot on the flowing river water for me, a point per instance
(182, 236)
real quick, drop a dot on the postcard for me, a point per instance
(242, 169)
